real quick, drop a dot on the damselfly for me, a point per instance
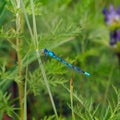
(52, 54)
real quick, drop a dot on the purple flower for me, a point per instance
(114, 37)
(112, 16)
(118, 10)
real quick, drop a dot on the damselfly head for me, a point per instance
(45, 51)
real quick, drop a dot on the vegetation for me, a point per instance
(34, 86)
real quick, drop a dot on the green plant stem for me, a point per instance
(20, 89)
(71, 98)
(46, 83)
(25, 97)
(35, 41)
(20, 81)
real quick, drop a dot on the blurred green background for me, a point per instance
(75, 31)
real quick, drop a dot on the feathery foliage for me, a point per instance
(37, 87)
